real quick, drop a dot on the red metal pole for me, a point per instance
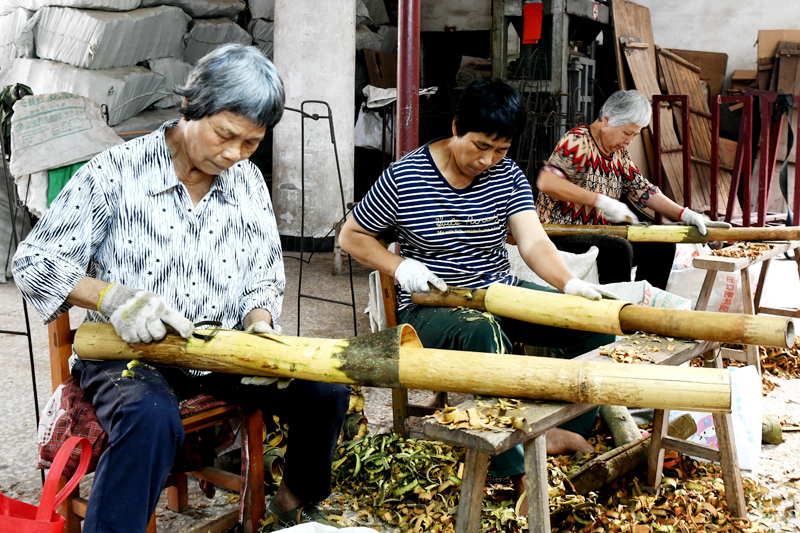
(408, 77)
(714, 156)
(796, 207)
(763, 166)
(657, 149)
(747, 139)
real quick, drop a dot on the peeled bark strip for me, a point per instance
(620, 423)
(615, 316)
(395, 358)
(621, 460)
(676, 233)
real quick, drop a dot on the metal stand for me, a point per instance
(329, 117)
(13, 205)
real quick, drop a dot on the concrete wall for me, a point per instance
(720, 26)
(464, 15)
(315, 55)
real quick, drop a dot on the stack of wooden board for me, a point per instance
(634, 41)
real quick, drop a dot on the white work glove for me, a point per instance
(614, 210)
(590, 291)
(413, 277)
(140, 316)
(691, 218)
(262, 328)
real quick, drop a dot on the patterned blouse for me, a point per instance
(578, 159)
(125, 217)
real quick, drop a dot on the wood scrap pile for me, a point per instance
(649, 64)
(355, 423)
(499, 418)
(749, 250)
(780, 362)
(638, 351)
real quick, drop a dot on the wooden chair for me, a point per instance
(401, 409)
(74, 508)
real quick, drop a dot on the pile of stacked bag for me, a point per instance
(126, 55)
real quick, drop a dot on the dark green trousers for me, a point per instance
(476, 331)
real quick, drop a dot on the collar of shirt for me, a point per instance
(168, 180)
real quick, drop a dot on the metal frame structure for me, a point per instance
(686, 146)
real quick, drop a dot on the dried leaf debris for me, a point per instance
(750, 250)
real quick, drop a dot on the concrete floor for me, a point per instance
(20, 479)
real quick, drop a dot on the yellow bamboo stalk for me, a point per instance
(615, 316)
(395, 358)
(677, 233)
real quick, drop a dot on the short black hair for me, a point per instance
(491, 107)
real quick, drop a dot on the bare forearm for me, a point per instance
(365, 248)
(257, 315)
(564, 190)
(544, 259)
(87, 292)
(661, 204)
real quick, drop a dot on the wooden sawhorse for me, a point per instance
(751, 305)
(541, 416)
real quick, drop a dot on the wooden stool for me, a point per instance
(751, 305)
(542, 416)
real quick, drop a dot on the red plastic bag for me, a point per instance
(22, 517)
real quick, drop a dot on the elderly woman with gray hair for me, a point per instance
(169, 229)
(586, 176)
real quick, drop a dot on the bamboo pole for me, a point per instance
(615, 316)
(395, 358)
(677, 233)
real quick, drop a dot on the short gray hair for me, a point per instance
(235, 78)
(625, 107)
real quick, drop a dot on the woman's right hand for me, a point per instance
(614, 210)
(140, 316)
(413, 277)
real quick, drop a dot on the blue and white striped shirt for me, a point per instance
(459, 234)
(126, 217)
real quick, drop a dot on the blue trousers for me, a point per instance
(141, 417)
(474, 331)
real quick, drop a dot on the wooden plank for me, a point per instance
(541, 416)
(713, 66)
(382, 68)
(219, 478)
(655, 463)
(732, 264)
(476, 465)
(681, 78)
(220, 524)
(644, 78)
(536, 485)
(690, 448)
(630, 20)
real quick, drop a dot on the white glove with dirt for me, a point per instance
(691, 218)
(262, 328)
(140, 316)
(413, 277)
(590, 291)
(614, 210)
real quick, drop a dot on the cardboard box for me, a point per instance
(768, 40)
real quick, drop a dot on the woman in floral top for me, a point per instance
(584, 180)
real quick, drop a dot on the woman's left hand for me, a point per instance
(262, 328)
(691, 218)
(590, 291)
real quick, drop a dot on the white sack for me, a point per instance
(584, 266)
(34, 5)
(206, 35)
(263, 32)
(175, 72)
(262, 9)
(745, 414)
(202, 8)
(362, 13)
(125, 90)
(103, 40)
(366, 38)
(369, 130)
(642, 293)
(55, 130)
(16, 35)
(32, 191)
(376, 310)
(687, 281)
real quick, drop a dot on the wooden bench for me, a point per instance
(751, 305)
(541, 416)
